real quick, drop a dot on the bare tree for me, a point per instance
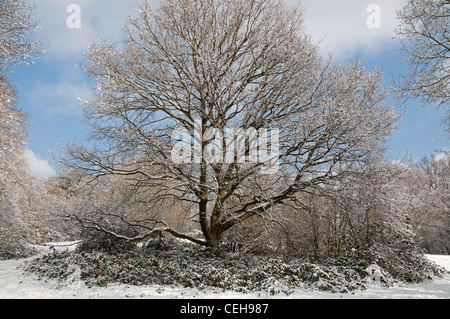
(13, 122)
(204, 68)
(16, 182)
(425, 37)
(16, 24)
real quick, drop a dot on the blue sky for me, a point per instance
(49, 89)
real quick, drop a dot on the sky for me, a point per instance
(49, 90)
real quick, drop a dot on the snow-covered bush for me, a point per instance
(407, 263)
(202, 268)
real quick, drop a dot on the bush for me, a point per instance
(14, 248)
(202, 268)
(406, 265)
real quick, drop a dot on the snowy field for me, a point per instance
(14, 284)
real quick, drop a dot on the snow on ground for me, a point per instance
(14, 284)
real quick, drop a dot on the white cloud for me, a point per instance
(99, 18)
(60, 97)
(39, 167)
(342, 25)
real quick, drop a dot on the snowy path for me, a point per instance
(15, 285)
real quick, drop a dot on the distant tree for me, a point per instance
(431, 218)
(202, 67)
(16, 182)
(12, 139)
(13, 123)
(16, 24)
(25, 213)
(424, 33)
